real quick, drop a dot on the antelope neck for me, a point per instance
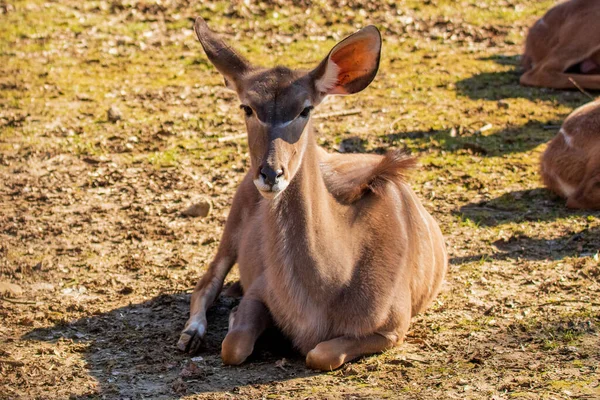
(305, 221)
(306, 202)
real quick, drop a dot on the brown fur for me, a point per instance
(570, 166)
(343, 254)
(564, 44)
(349, 184)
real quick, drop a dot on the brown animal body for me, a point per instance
(563, 45)
(336, 250)
(570, 165)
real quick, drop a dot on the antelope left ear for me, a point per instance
(351, 65)
(229, 63)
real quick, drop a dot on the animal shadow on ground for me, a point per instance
(505, 85)
(131, 352)
(531, 205)
(513, 139)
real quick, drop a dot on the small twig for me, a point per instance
(15, 301)
(421, 341)
(581, 89)
(421, 360)
(394, 123)
(287, 390)
(484, 208)
(344, 113)
(558, 302)
(549, 127)
(430, 347)
(231, 138)
(14, 363)
(484, 128)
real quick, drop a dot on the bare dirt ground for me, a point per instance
(90, 210)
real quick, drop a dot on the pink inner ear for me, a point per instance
(354, 60)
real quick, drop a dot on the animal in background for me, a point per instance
(570, 166)
(334, 249)
(563, 44)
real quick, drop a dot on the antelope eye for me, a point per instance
(247, 110)
(306, 112)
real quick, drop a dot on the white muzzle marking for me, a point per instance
(268, 191)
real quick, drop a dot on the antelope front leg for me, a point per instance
(329, 355)
(208, 288)
(206, 291)
(246, 324)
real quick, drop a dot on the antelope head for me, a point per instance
(278, 102)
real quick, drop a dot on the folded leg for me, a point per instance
(246, 324)
(329, 355)
(559, 80)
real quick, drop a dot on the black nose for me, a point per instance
(270, 176)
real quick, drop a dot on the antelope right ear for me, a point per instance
(351, 65)
(230, 64)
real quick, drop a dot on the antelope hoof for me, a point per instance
(321, 359)
(236, 348)
(192, 337)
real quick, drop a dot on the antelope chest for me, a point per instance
(304, 319)
(310, 308)
(294, 307)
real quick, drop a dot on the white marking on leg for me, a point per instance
(201, 329)
(232, 318)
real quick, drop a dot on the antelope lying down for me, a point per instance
(571, 163)
(563, 44)
(336, 250)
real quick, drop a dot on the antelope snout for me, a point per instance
(271, 176)
(270, 181)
